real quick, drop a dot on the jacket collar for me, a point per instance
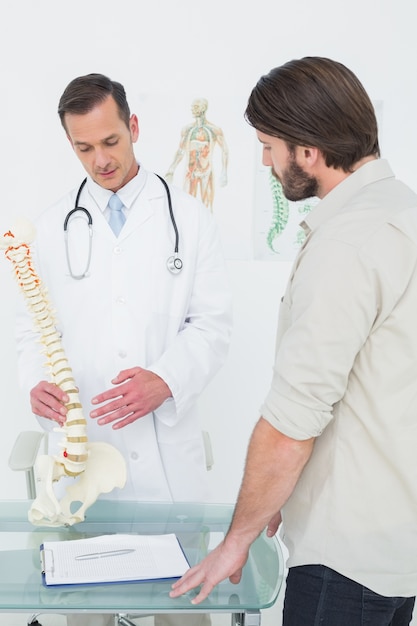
(369, 173)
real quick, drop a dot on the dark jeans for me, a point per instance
(318, 596)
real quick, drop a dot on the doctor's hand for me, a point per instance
(137, 393)
(225, 561)
(48, 400)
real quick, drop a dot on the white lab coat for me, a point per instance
(131, 311)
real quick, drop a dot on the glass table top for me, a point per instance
(199, 528)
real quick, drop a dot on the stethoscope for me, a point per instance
(174, 263)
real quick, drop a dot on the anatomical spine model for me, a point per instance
(96, 467)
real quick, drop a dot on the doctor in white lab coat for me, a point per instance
(132, 311)
(142, 341)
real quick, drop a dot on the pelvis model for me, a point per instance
(96, 467)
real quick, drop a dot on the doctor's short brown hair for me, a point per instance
(316, 102)
(85, 92)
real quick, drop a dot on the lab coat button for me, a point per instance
(134, 456)
(117, 250)
(121, 300)
(122, 354)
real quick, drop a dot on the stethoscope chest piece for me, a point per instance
(174, 264)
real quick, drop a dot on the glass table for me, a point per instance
(199, 528)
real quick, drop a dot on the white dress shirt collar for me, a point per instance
(127, 194)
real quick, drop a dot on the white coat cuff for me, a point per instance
(167, 412)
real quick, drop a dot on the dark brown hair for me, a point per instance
(319, 103)
(85, 92)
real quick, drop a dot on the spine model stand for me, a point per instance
(96, 467)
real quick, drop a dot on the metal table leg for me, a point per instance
(246, 618)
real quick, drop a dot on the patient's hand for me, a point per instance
(225, 561)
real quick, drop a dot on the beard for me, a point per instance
(296, 183)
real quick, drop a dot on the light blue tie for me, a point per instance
(117, 218)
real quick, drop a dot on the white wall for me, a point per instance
(161, 49)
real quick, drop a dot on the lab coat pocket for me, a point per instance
(182, 451)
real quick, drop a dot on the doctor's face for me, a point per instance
(104, 144)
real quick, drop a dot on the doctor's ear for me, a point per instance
(134, 128)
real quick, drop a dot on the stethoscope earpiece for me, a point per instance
(174, 264)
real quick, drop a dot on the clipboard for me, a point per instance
(112, 559)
